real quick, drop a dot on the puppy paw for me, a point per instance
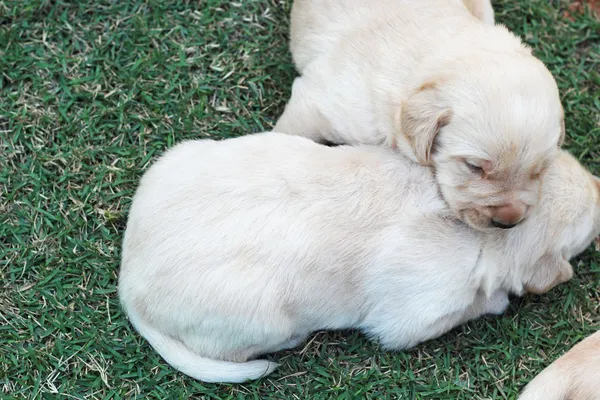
(497, 303)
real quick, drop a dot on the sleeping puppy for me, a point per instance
(574, 376)
(243, 247)
(429, 79)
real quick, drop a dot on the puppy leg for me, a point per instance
(550, 270)
(401, 335)
(301, 116)
(397, 334)
(497, 303)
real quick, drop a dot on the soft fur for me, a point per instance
(426, 77)
(574, 376)
(243, 247)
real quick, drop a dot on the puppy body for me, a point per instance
(575, 375)
(238, 248)
(428, 78)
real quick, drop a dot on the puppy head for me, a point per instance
(489, 125)
(563, 224)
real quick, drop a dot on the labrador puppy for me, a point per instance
(242, 247)
(574, 376)
(441, 86)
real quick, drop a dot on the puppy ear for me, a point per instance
(549, 271)
(421, 118)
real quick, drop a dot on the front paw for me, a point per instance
(497, 303)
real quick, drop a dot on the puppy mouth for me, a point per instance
(500, 225)
(483, 222)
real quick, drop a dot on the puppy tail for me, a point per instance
(550, 384)
(180, 357)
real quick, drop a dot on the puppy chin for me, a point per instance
(476, 220)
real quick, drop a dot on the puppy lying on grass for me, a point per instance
(242, 247)
(430, 79)
(574, 376)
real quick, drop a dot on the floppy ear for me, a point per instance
(549, 271)
(421, 118)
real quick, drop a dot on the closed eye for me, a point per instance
(476, 169)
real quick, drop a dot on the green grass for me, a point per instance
(92, 91)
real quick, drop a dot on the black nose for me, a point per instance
(500, 225)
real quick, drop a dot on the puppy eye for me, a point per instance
(476, 169)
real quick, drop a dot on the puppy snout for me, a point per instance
(509, 215)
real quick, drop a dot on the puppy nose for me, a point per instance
(508, 216)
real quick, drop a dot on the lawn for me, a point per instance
(92, 91)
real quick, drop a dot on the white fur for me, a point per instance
(575, 375)
(243, 247)
(444, 88)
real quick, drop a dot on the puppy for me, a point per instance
(429, 79)
(576, 375)
(243, 247)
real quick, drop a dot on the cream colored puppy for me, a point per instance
(574, 376)
(447, 90)
(243, 247)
